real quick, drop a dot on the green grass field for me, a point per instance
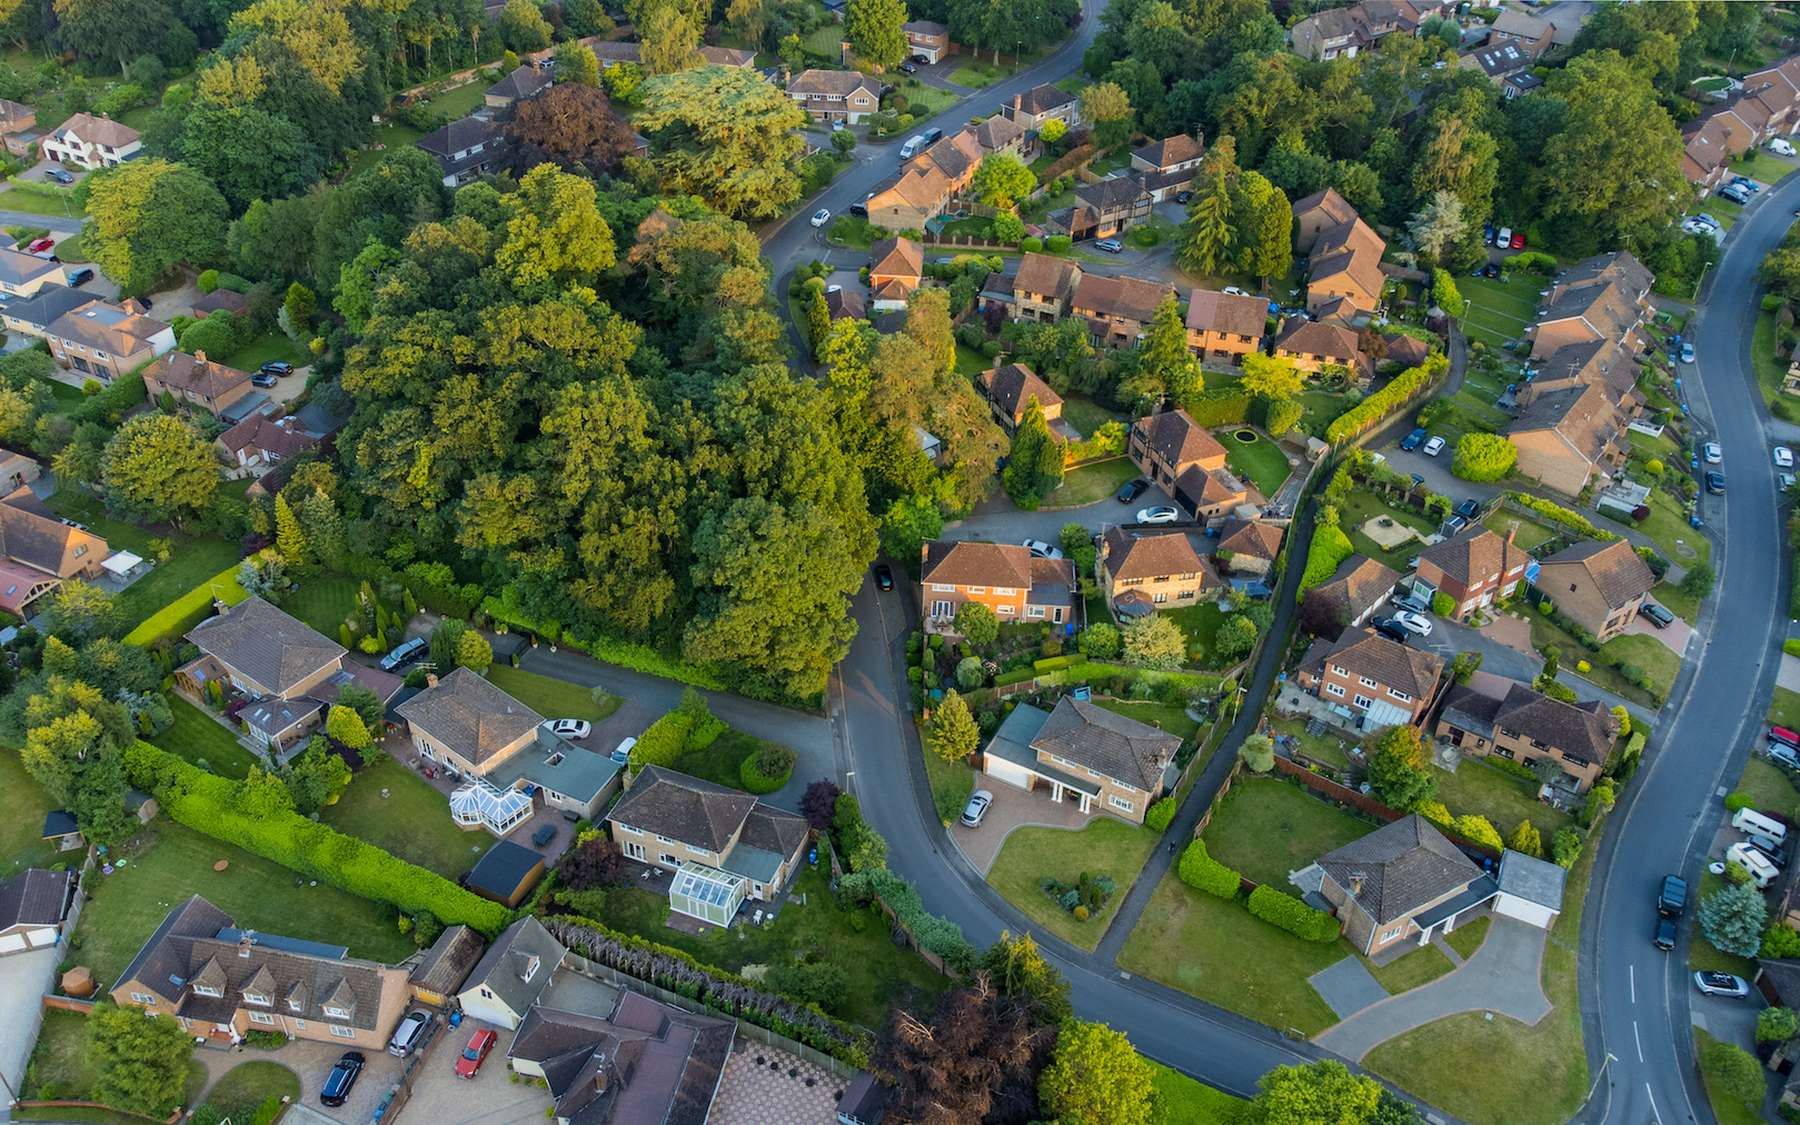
(247, 1085)
(1762, 166)
(951, 785)
(1086, 415)
(1031, 855)
(1527, 533)
(189, 564)
(86, 508)
(1648, 653)
(267, 348)
(1261, 462)
(550, 697)
(398, 811)
(34, 203)
(21, 829)
(1090, 483)
(1185, 1101)
(1502, 798)
(1499, 310)
(1360, 507)
(62, 1066)
(1724, 1107)
(1784, 709)
(323, 601)
(1160, 715)
(1265, 827)
(197, 739)
(1321, 408)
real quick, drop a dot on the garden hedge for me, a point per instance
(1159, 814)
(935, 935)
(1199, 870)
(663, 741)
(1556, 513)
(207, 803)
(1365, 414)
(754, 773)
(175, 619)
(1221, 407)
(1329, 548)
(1483, 457)
(1289, 913)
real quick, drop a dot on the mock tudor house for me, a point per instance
(197, 381)
(1167, 166)
(1101, 761)
(724, 845)
(1225, 326)
(836, 95)
(505, 984)
(1170, 443)
(1247, 546)
(221, 982)
(1041, 103)
(1110, 207)
(1005, 577)
(1494, 715)
(1044, 286)
(107, 340)
(1476, 569)
(1117, 309)
(646, 1061)
(927, 40)
(91, 142)
(1599, 586)
(1009, 389)
(283, 665)
(1141, 572)
(1350, 596)
(1381, 682)
(1397, 885)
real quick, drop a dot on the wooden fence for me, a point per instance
(69, 1103)
(1363, 802)
(930, 958)
(67, 1004)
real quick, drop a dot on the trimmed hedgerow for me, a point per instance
(1201, 871)
(1292, 915)
(1385, 401)
(934, 934)
(191, 608)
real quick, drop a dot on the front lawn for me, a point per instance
(247, 1085)
(197, 739)
(1677, 601)
(720, 762)
(35, 203)
(1667, 524)
(1105, 847)
(881, 975)
(1769, 788)
(1410, 970)
(551, 697)
(71, 249)
(174, 862)
(1186, 1101)
(951, 785)
(1545, 634)
(189, 565)
(270, 346)
(1265, 828)
(1504, 799)
(21, 842)
(924, 101)
(62, 1066)
(1703, 955)
(1784, 709)
(1728, 1111)
(975, 73)
(398, 811)
(1657, 660)
(1091, 483)
(1261, 462)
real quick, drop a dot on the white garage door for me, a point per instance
(11, 943)
(1529, 912)
(1010, 772)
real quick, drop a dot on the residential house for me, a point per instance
(440, 974)
(735, 58)
(1528, 31)
(1109, 207)
(280, 662)
(1009, 389)
(1766, 106)
(1316, 214)
(1225, 326)
(1349, 597)
(1041, 103)
(505, 874)
(1497, 61)
(107, 340)
(34, 904)
(1474, 569)
(999, 134)
(22, 274)
(934, 179)
(896, 267)
(1005, 577)
(1599, 586)
(1101, 761)
(1248, 546)
(1398, 885)
(836, 95)
(1404, 351)
(845, 304)
(1168, 165)
(1117, 309)
(505, 984)
(1326, 35)
(612, 52)
(33, 316)
(91, 142)
(1141, 572)
(466, 149)
(18, 127)
(1569, 436)
(1383, 683)
(1044, 286)
(221, 982)
(680, 823)
(1494, 715)
(17, 470)
(260, 442)
(1517, 85)
(646, 1061)
(38, 550)
(1314, 345)
(1167, 444)
(927, 40)
(1605, 298)
(1346, 264)
(522, 83)
(196, 380)
(918, 195)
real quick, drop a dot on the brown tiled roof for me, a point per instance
(955, 156)
(1170, 151)
(1356, 586)
(1312, 337)
(256, 640)
(1250, 537)
(1112, 193)
(449, 961)
(919, 185)
(1176, 438)
(197, 374)
(11, 111)
(1582, 731)
(1212, 311)
(470, 715)
(1208, 487)
(899, 256)
(123, 330)
(997, 132)
(1011, 386)
(1110, 744)
(1402, 667)
(645, 1062)
(976, 564)
(727, 56)
(1407, 351)
(97, 130)
(30, 536)
(684, 808)
(1474, 556)
(1398, 868)
(925, 27)
(282, 437)
(1129, 297)
(841, 303)
(1335, 207)
(1579, 413)
(1042, 99)
(1045, 273)
(841, 83)
(1160, 554)
(1614, 569)
(1352, 249)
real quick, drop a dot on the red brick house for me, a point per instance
(1474, 569)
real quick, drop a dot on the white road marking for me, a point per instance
(1638, 1040)
(1652, 1098)
(1631, 971)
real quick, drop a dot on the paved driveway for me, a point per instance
(1012, 808)
(1675, 637)
(312, 1061)
(439, 1097)
(24, 978)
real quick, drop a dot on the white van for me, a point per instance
(911, 148)
(1781, 147)
(1755, 823)
(1762, 872)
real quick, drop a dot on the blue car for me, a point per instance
(1413, 440)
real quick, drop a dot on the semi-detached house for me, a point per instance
(1599, 586)
(1474, 570)
(1117, 309)
(1004, 577)
(1507, 719)
(1044, 286)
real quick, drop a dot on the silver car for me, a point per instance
(976, 808)
(1721, 984)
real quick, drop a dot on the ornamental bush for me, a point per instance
(1159, 814)
(1738, 800)
(767, 769)
(1483, 457)
(1202, 872)
(1385, 401)
(663, 741)
(1565, 847)
(1290, 914)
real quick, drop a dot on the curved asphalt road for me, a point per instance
(1635, 998)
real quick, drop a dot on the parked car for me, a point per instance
(1721, 984)
(1504, 238)
(471, 1058)
(569, 728)
(277, 367)
(1434, 446)
(622, 752)
(1162, 513)
(1786, 481)
(1784, 457)
(1785, 756)
(1671, 897)
(1110, 245)
(404, 653)
(821, 217)
(908, 68)
(60, 176)
(1658, 616)
(1784, 736)
(1182, 197)
(544, 834)
(1687, 353)
(1469, 509)
(1746, 183)
(1780, 146)
(922, 60)
(1416, 624)
(1664, 938)
(407, 1034)
(1490, 270)
(884, 577)
(1713, 452)
(1041, 550)
(976, 808)
(263, 379)
(912, 146)
(1413, 440)
(1392, 630)
(1131, 490)
(1715, 483)
(39, 245)
(1488, 231)
(1235, 291)
(1518, 240)
(932, 135)
(80, 277)
(1411, 603)
(342, 1077)
(1452, 526)
(1734, 193)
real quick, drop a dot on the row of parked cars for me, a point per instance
(407, 1037)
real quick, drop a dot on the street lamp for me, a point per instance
(1610, 1058)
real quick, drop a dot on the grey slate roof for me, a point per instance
(470, 715)
(449, 960)
(499, 873)
(705, 815)
(503, 968)
(34, 897)
(660, 1064)
(1398, 868)
(20, 268)
(521, 83)
(1113, 745)
(1532, 879)
(263, 643)
(47, 306)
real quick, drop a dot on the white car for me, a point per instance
(1786, 481)
(622, 752)
(1040, 549)
(1416, 624)
(1160, 514)
(821, 217)
(1781, 147)
(1713, 453)
(569, 728)
(1784, 457)
(976, 808)
(1434, 446)
(1504, 237)
(1235, 291)
(1721, 984)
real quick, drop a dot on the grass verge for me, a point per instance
(1031, 855)
(1186, 1101)
(1091, 483)
(551, 697)
(1727, 1109)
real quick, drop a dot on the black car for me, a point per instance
(1131, 490)
(262, 379)
(1490, 270)
(277, 367)
(60, 176)
(860, 208)
(1665, 934)
(908, 68)
(1469, 509)
(884, 577)
(1715, 482)
(1671, 899)
(1183, 196)
(342, 1078)
(1659, 617)
(1392, 630)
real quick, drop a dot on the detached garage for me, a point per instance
(33, 905)
(1531, 890)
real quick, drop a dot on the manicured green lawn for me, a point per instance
(323, 601)
(1086, 415)
(1527, 533)
(1677, 601)
(1667, 524)
(1090, 483)
(1332, 749)
(1503, 799)
(924, 101)
(1648, 653)
(1031, 855)
(881, 975)
(1186, 1101)
(71, 249)
(1769, 787)
(459, 101)
(976, 74)
(951, 785)
(719, 762)
(1421, 966)
(1200, 624)
(32, 203)
(196, 738)
(189, 565)
(1499, 310)
(854, 232)
(1216, 951)
(1784, 709)
(177, 862)
(1321, 408)
(551, 697)
(247, 1085)
(21, 842)
(398, 811)
(970, 362)
(1360, 507)
(1723, 210)
(1161, 715)
(1467, 939)
(1261, 461)
(270, 346)
(1544, 634)
(1728, 1112)
(1265, 827)
(86, 508)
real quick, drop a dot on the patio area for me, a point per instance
(1293, 701)
(1012, 808)
(764, 1086)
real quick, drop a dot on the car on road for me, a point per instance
(1162, 513)
(1713, 452)
(1040, 549)
(263, 379)
(1131, 490)
(912, 146)
(1416, 624)
(1659, 617)
(277, 367)
(1469, 509)
(1110, 245)
(1434, 446)
(1664, 938)
(471, 1058)
(1721, 984)
(622, 752)
(976, 808)
(1715, 483)
(909, 68)
(1392, 630)
(1671, 897)
(1784, 457)
(884, 577)
(821, 217)
(404, 653)
(1687, 353)
(39, 245)
(342, 1078)
(1413, 440)
(407, 1034)
(569, 728)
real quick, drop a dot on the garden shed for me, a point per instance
(707, 893)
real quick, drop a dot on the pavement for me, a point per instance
(1347, 986)
(998, 520)
(24, 978)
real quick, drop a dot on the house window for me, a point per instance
(299, 1025)
(295, 1006)
(261, 1017)
(627, 829)
(1034, 611)
(1390, 935)
(1362, 701)
(941, 588)
(978, 589)
(1340, 669)
(1335, 689)
(145, 999)
(202, 990)
(661, 839)
(1005, 591)
(1160, 598)
(668, 860)
(940, 609)
(1056, 615)
(256, 998)
(1366, 682)
(344, 1032)
(1004, 610)
(1400, 695)
(337, 1014)
(1119, 802)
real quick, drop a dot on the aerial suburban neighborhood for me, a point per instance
(790, 562)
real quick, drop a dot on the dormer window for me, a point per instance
(294, 1004)
(206, 990)
(336, 1013)
(256, 998)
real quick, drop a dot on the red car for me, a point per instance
(469, 1061)
(40, 246)
(1518, 241)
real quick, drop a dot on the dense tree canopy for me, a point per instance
(148, 216)
(726, 135)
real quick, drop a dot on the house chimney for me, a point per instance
(246, 939)
(602, 1073)
(1511, 530)
(199, 359)
(1356, 885)
(431, 679)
